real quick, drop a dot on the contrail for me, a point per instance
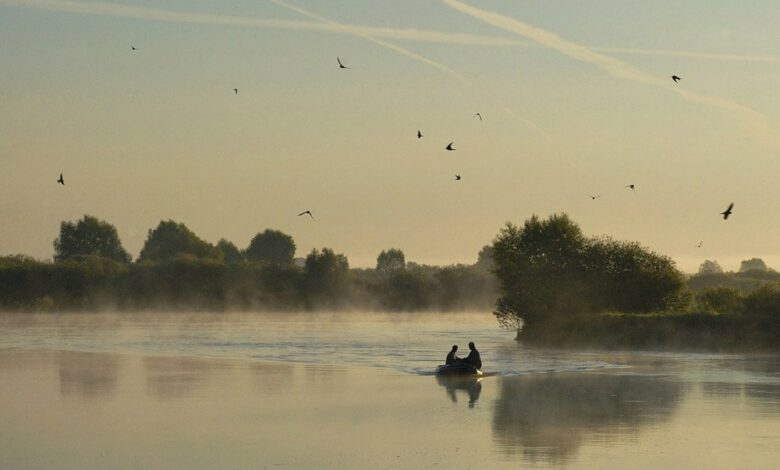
(154, 14)
(371, 38)
(412, 55)
(759, 123)
(406, 34)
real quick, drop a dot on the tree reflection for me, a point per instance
(472, 386)
(88, 375)
(547, 417)
(173, 377)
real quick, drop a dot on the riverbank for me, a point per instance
(674, 331)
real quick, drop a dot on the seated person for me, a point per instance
(473, 357)
(451, 357)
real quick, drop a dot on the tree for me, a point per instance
(271, 246)
(752, 264)
(230, 252)
(485, 257)
(627, 277)
(539, 269)
(325, 277)
(170, 240)
(710, 267)
(89, 236)
(390, 260)
(548, 268)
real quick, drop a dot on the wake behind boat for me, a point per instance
(458, 369)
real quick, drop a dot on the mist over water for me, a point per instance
(352, 390)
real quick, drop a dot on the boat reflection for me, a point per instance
(471, 385)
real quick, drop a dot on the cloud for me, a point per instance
(757, 123)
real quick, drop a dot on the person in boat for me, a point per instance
(473, 357)
(451, 357)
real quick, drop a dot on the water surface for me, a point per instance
(356, 391)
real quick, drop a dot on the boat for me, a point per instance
(458, 369)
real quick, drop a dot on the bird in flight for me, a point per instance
(341, 66)
(633, 187)
(477, 115)
(235, 90)
(457, 177)
(450, 147)
(61, 180)
(676, 78)
(306, 212)
(419, 135)
(132, 48)
(727, 212)
(699, 245)
(594, 197)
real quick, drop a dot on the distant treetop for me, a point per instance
(171, 239)
(89, 236)
(271, 246)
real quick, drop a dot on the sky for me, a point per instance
(576, 100)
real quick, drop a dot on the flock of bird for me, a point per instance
(450, 147)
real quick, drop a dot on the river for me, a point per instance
(356, 390)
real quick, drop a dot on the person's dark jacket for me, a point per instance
(451, 358)
(474, 359)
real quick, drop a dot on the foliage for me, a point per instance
(752, 264)
(719, 300)
(325, 278)
(89, 236)
(764, 301)
(390, 260)
(271, 246)
(230, 253)
(710, 267)
(548, 269)
(171, 239)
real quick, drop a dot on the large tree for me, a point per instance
(89, 236)
(171, 239)
(548, 268)
(390, 260)
(271, 246)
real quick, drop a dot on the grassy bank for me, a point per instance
(728, 332)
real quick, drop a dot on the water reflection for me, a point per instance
(173, 377)
(273, 377)
(472, 387)
(547, 417)
(88, 375)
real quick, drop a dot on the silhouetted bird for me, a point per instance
(235, 90)
(341, 66)
(477, 115)
(676, 78)
(594, 197)
(699, 245)
(450, 147)
(132, 48)
(61, 180)
(306, 212)
(727, 212)
(419, 134)
(457, 177)
(631, 186)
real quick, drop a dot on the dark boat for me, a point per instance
(457, 369)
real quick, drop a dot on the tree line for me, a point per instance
(559, 287)
(178, 270)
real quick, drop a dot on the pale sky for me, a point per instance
(576, 99)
